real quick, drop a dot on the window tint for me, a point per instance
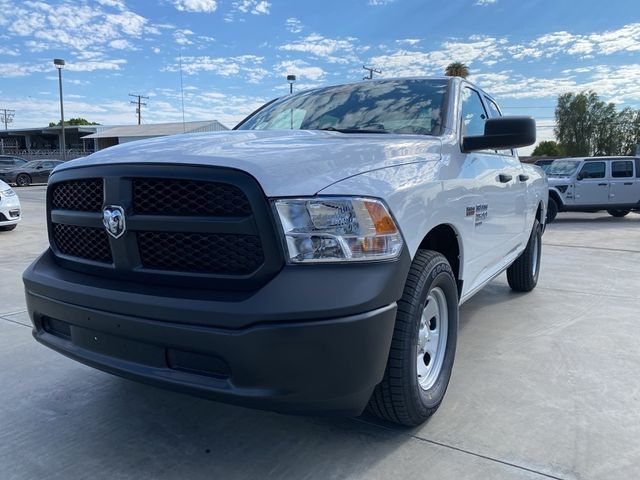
(637, 167)
(385, 106)
(620, 169)
(473, 113)
(48, 165)
(593, 170)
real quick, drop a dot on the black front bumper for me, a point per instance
(314, 339)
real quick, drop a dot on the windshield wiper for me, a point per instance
(351, 130)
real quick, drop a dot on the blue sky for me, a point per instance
(236, 53)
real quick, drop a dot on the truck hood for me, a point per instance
(289, 162)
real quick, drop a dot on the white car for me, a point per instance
(10, 213)
(311, 260)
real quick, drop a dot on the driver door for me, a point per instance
(592, 184)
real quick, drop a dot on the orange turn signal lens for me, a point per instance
(382, 221)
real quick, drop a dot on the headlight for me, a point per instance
(7, 193)
(333, 229)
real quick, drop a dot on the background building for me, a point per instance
(34, 143)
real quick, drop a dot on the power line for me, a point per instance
(7, 117)
(139, 104)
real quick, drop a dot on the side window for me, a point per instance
(622, 169)
(494, 111)
(637, 167)
(48, 165)
(593, 170)
(473, 113)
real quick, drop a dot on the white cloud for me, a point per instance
(255, 7)
(248, 66)
(484, 3)
(377, 3)
(293, 25)
(196, 6)
(10, 52)
(301, 69)
(408, 41)
(331, 50)
(181, 36)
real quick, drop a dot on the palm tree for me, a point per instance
(457, 69)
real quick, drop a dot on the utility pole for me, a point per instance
(371, 72)
(7, 117)
(139, 104)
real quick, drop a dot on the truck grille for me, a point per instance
(164, 196)
(185, 226)
(197, 252)
(82, 242)
(80, 195)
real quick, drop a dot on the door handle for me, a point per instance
(603, 184)
(628, 183)
(504, 178)
(523, 177)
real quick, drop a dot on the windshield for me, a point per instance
(562, 168)
(391, 106)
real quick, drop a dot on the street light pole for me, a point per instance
(59, 63)
(291, 79)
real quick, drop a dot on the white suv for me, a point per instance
(594, 183)
(313, 259)
(10, 213)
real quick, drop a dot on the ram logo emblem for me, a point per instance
(114, 220)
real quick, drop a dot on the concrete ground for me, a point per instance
(545, 385)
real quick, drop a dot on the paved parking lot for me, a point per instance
(546, 385)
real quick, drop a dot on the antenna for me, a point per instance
(371, 71)
(184, 128)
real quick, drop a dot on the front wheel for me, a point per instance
(552, 210)
(523, 274)
(618, 213)
(423, 345)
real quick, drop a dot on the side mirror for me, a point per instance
(503, 133)
(582, 175)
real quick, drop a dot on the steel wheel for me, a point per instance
(432, 338)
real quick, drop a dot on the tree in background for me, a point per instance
(587, 126)
(74, 122)
(547, 148)
(457, 69)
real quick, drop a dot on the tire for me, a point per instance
(552, 210)
(618, 213)
(23, 180)
(8, 228)
(523, 274)
(402, 397)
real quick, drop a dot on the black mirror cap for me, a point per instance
(503, 133)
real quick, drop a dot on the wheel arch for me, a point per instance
(556, 197)
(446, 239)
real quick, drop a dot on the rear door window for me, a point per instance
(622, 169)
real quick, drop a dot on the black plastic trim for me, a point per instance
(127, 264)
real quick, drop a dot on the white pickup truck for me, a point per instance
(311, 260)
